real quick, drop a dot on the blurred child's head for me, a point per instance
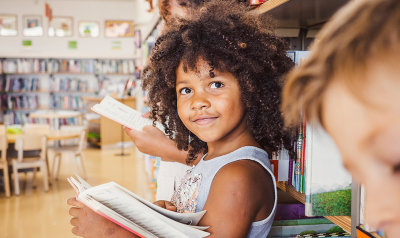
(224, 64)
(351, 85)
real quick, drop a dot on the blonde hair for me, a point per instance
(360, 31)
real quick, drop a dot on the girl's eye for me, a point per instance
(216, 85)
(185, 91)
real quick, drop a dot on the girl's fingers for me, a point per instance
(75, 212)
(170, 206)
(160, 203)
(146, 115)
(74, 202)
(74, 221)
(75, 231)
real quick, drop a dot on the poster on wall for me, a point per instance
(61, 27)
(119, 29)
(89, 29)
(8, 25)
(33, 25)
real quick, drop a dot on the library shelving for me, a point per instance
(30, 84)
(342, 221)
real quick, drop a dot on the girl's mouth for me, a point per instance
(203, 120)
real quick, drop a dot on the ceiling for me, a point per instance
(305, 13)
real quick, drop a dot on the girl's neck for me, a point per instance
(237, 138)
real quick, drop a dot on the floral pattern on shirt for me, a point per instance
(185, 197)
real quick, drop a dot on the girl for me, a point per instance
(214, 83)
(151, 140)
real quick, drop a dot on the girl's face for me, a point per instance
(368, 136)
(211, 108)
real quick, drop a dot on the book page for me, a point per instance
(133, 210)
(115, 217)
(185, 218)
(122, 114)
(130, 198)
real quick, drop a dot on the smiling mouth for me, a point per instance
(205, 121)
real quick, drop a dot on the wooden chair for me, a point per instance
(73, 151)
(30, 142)
(38, 129)
(3, 159)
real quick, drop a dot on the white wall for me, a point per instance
(80, 10)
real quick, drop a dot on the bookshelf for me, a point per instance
(30, 84)
(343, 221)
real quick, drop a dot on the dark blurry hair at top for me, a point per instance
(231, 39)
(165, 4)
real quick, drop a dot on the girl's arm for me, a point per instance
(152, 141)
(89, 224)
(242, 192)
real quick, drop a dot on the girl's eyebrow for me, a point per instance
(182, 82)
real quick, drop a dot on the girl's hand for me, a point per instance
(152, 141)
(165, 204)
(89, 224)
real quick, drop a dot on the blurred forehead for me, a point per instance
(359, 115)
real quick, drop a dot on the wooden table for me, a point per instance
(55, 115)
(51, 135)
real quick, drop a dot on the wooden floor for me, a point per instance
(36, 213)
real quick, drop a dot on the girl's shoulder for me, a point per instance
(247, 173)
(246, 185)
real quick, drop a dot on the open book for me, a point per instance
(135, 214)
(122, 114)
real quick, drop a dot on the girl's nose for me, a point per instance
(200, 102)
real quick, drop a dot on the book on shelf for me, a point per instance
(12, 102)
(67, 102)
(115, 66)
(81, 66)
(21, 118)
(58, 84)
(22, 66)
(122, 114)
(316, 167)
(134, 213)
(19, 84)
(299, 154)
(328, 183)
(303, 156)
(280, 165)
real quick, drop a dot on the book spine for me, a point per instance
(303, 156)
(290, 171)
(299, 154)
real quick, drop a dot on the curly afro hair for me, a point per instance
(232, 39)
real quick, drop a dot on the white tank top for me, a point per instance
(194, 188)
